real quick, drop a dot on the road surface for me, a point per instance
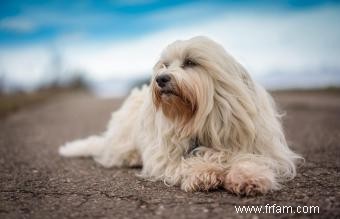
(37, 183)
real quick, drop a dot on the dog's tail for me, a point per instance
(91, 146)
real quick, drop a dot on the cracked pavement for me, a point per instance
(37, 183)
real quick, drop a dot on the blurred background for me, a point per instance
(66, 65)
(111, 45)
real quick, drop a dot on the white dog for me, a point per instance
(203, 124)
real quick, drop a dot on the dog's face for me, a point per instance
(204, 91)
(183, 80)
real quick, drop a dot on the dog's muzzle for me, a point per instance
(165, 84)
(163, 80)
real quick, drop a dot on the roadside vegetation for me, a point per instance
(13, 101)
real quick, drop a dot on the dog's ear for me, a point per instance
(231, 122)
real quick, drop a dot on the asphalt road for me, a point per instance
(35, 182)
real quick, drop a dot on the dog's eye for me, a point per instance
(166, 65)
(189, 63)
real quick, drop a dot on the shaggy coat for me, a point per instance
(206, 125)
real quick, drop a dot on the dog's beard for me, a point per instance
(177, 103)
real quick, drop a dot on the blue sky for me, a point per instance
(37, 21)
(107, 40)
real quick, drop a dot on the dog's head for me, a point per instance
(192, 77)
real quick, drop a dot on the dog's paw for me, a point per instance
(248, 180)
(202, 179)
(131, 159)
(247, 187)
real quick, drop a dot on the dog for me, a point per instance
(202, 124)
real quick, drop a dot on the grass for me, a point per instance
(10, 103)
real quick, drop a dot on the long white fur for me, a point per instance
(242, 144)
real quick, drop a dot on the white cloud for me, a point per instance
(25, 66)
(263, 42)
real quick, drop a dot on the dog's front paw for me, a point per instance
(249, 180)
(245, 186)
(202, 179)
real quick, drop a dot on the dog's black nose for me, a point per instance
(162, 80)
